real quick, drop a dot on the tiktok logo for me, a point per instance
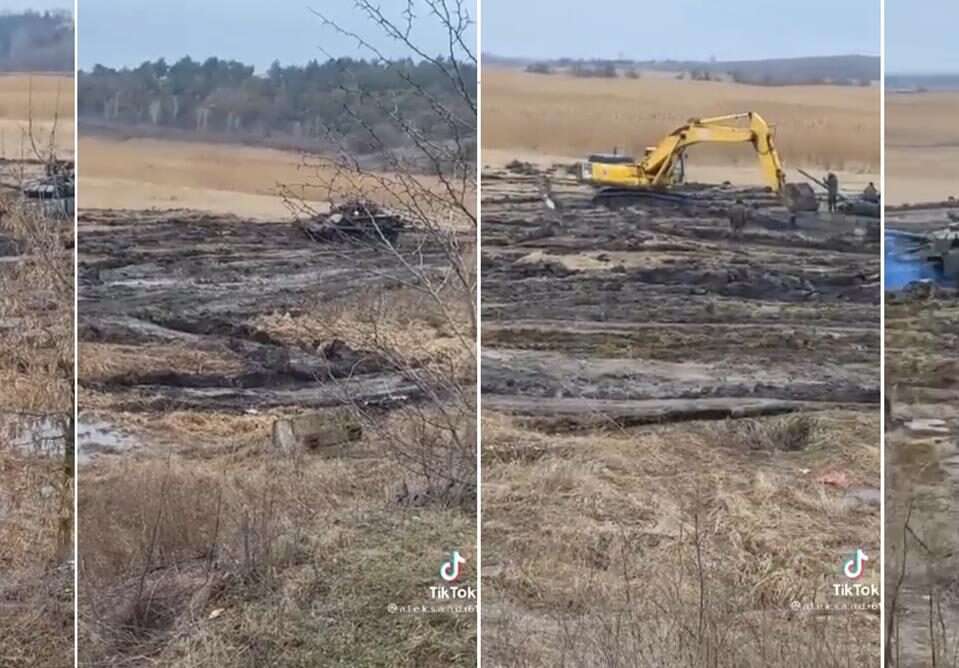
(853, 569)
(450, 570)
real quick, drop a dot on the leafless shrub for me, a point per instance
(433, 188)
(183, 534)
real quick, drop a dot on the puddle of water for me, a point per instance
(45, 436)
(96, 437)
(35, 435)
(900, 268)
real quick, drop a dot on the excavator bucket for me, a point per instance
(800, 197)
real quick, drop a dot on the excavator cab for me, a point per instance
(596, 165)
(610, 168)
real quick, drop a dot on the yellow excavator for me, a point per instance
(664, 165)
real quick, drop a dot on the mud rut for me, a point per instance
(655, 313)
(181, 277)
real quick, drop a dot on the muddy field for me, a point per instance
(656, 310)
(637, 358)
(922, 461)
(196, 332)
(198, 282)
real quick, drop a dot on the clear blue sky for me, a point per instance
(36, 5)
(682, 29)
(921, 36)
(127, 32)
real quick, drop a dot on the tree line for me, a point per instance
(368, 105)
(823, 70)
(36, 41)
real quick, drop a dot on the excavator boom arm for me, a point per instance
(656, 169)
(719, 130)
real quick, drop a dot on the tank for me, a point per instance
(53, 195)
(356, 220)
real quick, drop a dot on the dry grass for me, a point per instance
(403, 322)
(99, 362)
(21, 390)
(299, 557)
(139, 173)
(42, 96)
(816, 126)
(922, 147)
(29, 486)
(46, 94)
(36, 497)
(142, 173)
(598, 548)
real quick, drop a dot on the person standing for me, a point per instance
(738, 216)
(832, 188)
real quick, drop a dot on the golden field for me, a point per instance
(222, 178)
(252, 181)
(922, 147)
(818, 127)
(44, 97)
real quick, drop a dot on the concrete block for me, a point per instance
(323, 434)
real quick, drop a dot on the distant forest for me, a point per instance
(919, 83)
(830, 70)
(36, 42)
(289, 106)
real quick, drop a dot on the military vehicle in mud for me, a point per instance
(55, 193)
(50, 193)
(940, 248)
(356, 220)
(863, 205)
